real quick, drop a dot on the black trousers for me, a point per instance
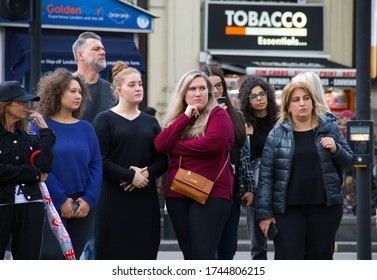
(307, 232)
(24, 224)
(258, 242)
(228, 242)
(198, 227)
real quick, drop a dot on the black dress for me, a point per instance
(128, 223)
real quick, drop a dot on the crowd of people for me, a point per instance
(101, 158)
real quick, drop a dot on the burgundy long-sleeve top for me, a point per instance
(205, 155)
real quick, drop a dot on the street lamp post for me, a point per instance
(363, 112)
(35, 28)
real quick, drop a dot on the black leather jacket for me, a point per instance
(15, 168)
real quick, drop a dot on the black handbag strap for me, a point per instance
(221, 171)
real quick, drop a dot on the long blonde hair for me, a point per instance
(286, 98)
(315, 86)
(177, 105)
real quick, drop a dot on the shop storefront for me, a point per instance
(276, 41)
(119, 23)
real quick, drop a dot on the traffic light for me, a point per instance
(15, 9)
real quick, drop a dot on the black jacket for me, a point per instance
(276, 165)
(15, 168)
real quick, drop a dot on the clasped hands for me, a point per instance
(67, 212)
(140, 179)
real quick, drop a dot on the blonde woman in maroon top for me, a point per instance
(200, 131)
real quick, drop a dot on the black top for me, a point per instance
(101, 99)
(305, 181)
(261, 129)
(126, 143)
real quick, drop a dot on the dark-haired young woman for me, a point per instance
(259, 109)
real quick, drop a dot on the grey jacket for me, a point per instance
(276, 166)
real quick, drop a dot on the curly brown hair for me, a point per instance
(51, 88)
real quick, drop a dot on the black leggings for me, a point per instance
(198, 227)
(307, 232)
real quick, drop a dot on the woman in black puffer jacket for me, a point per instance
(300, 180)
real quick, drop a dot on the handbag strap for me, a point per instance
(221, 171)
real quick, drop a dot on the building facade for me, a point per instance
(177, 42)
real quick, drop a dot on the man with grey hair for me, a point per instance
(89, 54)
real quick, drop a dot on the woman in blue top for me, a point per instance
(75, 180)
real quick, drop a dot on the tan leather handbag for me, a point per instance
(192, 184)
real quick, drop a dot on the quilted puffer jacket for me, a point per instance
(276, 166)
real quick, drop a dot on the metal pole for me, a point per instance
(35, 27)
(363, 112)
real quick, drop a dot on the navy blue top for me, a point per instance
(77, 164)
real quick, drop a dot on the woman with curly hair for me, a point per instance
(75, 180)
(258, 105)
